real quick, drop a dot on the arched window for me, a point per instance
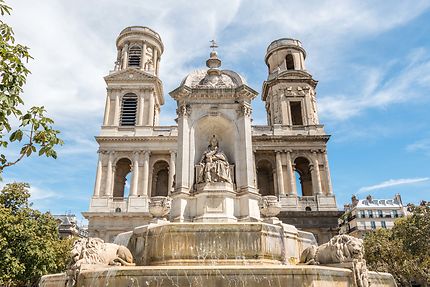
(304, 176)
(160, 179)
(290, 62)
(265, 178)
(128, 110)
(134, 55)
(122, 178)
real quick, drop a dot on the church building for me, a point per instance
(214, 165)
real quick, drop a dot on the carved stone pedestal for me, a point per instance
(215, 202)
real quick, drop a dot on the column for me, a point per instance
(291, 177)
(327, 170)
(140, 112)
(151, 109)
(275, 180)
(125, 57)
(172, 170)
(145, 172)
(117, 111)
(158, 67)
(154, 60)
(98, 176)
(316, 177)
(135, 179)
(182, 184)
(143, 57)
(107, 110)
(279, 176)
(108, 189)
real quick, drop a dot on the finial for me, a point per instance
(213, 45)
(213, 62)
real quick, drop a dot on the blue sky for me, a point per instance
(371, 58)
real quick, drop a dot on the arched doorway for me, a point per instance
(304, 176)
(265, 178)
(160, 179)
(122, 178)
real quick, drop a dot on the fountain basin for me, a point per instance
(240, 243)
(219, 276)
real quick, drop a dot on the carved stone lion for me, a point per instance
(341, 248)
(94, 251)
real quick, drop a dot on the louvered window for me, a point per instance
(134, 55)
(128, 110)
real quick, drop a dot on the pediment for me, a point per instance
(129, 74)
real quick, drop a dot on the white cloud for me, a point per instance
(420, 146)
(380, 88)
(392, 182)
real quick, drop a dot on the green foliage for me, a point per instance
(29, 243)
(33, 131)
(403, 251)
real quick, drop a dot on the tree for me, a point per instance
(29, 242)
(403, 251)
(31, 129)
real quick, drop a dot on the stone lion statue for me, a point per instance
(340, 249)
(94, 251)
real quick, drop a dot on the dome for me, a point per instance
(213, 77)
(201, 79)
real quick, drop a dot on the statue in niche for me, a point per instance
(214, 164)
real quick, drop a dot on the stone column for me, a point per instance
(172, 171)
(125, 57)
(143, 57)
(275, 181)
(279, 175)
(182, 184)
(246, 175)
(291, 177)
(327, 170)
(145, 173)
(154, 60)
(157, 71)
(117, 110)
(135, 180)
(151, 109)
(316, 177)
(141, 109)
(109, 175)
(107, 110)
(98, 176)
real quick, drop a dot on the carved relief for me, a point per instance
(244, 110)
(183, 110)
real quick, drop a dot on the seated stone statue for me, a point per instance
(214, 163)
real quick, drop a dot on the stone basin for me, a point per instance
(241, 243)
(219, 276)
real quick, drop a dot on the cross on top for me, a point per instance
(213, 45)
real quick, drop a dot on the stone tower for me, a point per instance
(291, 155)
(136, 155)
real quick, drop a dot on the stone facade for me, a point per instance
(364, 215)
(139, 159)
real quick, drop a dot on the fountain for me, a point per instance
(216, 227)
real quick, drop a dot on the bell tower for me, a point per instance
(291, 151)
(289, 92)
(134, 91)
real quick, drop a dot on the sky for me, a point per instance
(371, 58)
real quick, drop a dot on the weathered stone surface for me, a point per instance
(220, 276)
